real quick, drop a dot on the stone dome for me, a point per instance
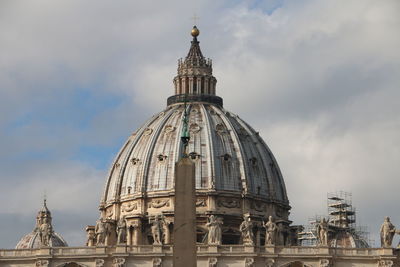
(35, 240)
(32, 240)
(235, 171)
(229, 156)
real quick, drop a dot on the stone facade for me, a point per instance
(232, 256)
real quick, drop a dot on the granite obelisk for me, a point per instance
(185, 206)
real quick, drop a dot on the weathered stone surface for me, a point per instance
(185, 214)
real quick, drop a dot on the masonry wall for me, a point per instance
(215, 256)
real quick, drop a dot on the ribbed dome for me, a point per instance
(228, 154)
(32, 240)
(235, 172)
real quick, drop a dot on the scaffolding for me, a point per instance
(341, 212)
(308, 237)
(341, 223)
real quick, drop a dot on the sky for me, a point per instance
(318, 79)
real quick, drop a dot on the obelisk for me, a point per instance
(185, 206)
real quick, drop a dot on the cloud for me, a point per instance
(320, 80)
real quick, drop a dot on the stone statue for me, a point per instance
(45, 231)
(214, 230)
(156, 230)
(246, 228)
(270, 231)
(322, 232)
(100, 232)
(387, 232)
(91, 238)
(109, 228)
(166, 235)
(121, 231)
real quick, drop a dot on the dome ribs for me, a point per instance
(210, 151)
(275, 172)
(151, 156)
(107, 195)
(162, 171)
(230, 172)
(256, 174)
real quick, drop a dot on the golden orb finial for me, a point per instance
(195, 32)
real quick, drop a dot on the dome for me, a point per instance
(348, 239)
(229, 156)
(32, 240)
(235, 171)
(43, 234)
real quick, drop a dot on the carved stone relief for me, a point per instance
(269, 263)
(385, 263)
(249, 262)
(157, 262)
(194, 128)
(158, 203)
(99, 263)
(212, 262)
(118, 262)
(169, 129)
(220, 128)
(324, 263)
(228, 203)
(201, 202)
(257, 206)
(129, 206)
(147, 131)
(109, 213)
(42, 263)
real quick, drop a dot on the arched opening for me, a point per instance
(201, 235)
(230, 237)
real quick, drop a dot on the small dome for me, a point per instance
(43, 234)
(346, 239)
(33, 240)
